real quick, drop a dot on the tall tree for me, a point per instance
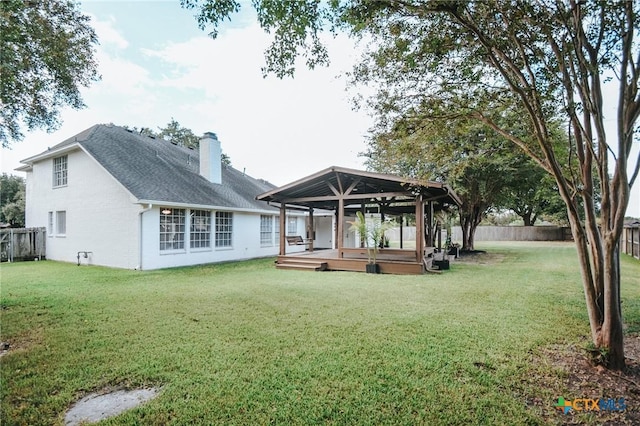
(479, 164)
(552, 57)
(175, 133)
(183, 136)
(12, 200)
(533, 195)
(47, 53)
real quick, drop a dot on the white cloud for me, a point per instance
(107, 34)
(304, 122)
(121, 77)
(213, 66)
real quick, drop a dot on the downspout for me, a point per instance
(140, 245)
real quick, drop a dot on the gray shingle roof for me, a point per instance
(157, 170)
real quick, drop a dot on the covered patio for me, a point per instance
(340, 192)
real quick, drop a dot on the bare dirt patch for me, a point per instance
(580, 378)
(22, 342)
(480, 257)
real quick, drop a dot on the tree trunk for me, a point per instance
(610, 337)
(464, 224)
(471, 238)
(469, 221)
(600, 267)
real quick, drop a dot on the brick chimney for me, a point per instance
(211, 158)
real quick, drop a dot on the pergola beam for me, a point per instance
(369, 196)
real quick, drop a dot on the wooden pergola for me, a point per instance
(343, 191)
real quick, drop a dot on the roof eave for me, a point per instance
(293, 184)
(50, 153)
(206, 206)
(268, 196)
(453, 195)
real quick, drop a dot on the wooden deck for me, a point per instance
(391, 261)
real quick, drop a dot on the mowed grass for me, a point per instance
(243, 343)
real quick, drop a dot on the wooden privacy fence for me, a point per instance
(22, 244)
(630, 242)
(515, 233)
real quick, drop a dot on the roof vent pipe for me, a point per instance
(211, 158)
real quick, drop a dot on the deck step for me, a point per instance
(428, 266)
(302, 265)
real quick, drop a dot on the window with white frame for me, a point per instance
(172, 226)
(266, 230)
(50, 225)
(292, 226)
(60, 171)
(200, 229)
(224, 229)
(61, 222)
(277, 230)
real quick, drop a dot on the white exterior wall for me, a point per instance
(245, 237)
(349, 239)
(104, 219)
(100, 215)
(324, 231)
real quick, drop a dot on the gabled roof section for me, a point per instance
(59, 149)
(154, 170)
(324, 188)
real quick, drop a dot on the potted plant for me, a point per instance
(447, 243)
(372, 233)
(454, 250)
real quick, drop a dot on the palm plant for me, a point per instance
(371, 231)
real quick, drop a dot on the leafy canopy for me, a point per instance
(295, 25)
(48, 50)
(175, 133)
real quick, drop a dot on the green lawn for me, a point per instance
(244, 343)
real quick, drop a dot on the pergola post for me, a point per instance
(430, 233)
(340, 241)
(334, 245)
(419, 228)
(363, 238)
(401, 224)
(310, 233)
(283, 230)
(382, 218)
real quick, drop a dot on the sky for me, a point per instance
(157, 65)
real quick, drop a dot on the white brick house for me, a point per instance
(131, 201)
